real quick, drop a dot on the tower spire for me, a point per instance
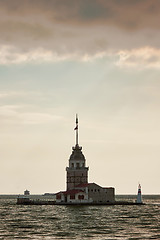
(76, 128)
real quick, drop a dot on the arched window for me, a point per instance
(80, 197)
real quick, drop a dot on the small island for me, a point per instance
(78, 190)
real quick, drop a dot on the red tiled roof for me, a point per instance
(70, 192)
(60, 192)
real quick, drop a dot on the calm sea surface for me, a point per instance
(83, 222)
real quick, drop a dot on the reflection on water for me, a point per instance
(80, 222)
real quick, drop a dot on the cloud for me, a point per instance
(38, 118)
(56, 30)
(3, 95)
(145, 57)
(8, 114)
(126, 14)
(12, 55)
(139, 58)
(13, 95)
(12, 114)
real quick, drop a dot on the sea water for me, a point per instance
(80, 222)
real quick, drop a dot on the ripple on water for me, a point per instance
(73, 222)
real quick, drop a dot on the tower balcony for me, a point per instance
(77, 168)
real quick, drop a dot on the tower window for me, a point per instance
(77, 165)
(72, 165)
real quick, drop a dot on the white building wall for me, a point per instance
(77, 200)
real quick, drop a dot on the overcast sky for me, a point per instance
(97, 58)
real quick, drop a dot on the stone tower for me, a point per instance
(77, 172)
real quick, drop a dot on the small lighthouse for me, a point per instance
(139, 196)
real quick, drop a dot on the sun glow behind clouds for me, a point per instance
(12, 55)
(146, 57)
